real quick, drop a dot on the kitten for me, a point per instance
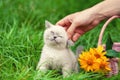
(55, 53)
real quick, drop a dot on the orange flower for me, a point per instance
(98, 52)
(88, 62)
(104, 66)
(94, 60)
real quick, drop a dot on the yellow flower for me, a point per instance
(94, 60)
(98, 52)
(104, 66)
(88, 62)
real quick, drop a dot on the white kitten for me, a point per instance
(55, 53)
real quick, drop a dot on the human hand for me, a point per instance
(78, 23)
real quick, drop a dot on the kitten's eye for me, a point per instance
(60, 36)
(52, 32)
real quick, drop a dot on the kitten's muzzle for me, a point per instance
(53, 38)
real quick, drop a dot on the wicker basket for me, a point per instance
(116, 46)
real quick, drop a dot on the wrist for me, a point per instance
(106, 9)
(94, 12)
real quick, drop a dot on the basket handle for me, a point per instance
(104, 27)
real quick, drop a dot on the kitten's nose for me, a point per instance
(54, 37)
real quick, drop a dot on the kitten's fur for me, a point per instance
(55, 53)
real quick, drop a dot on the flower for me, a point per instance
(94, 60)
(104, 66)
(88, 62)
(98, 52)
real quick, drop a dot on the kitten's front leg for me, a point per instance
(42, 66)
(66, 70)
(76, 67)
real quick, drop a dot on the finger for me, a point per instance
(80, 30)
(88, 28)
(65, 28)
(70, 30)
(61, 22)
(64, 22)
(76, 36)
(65, 25)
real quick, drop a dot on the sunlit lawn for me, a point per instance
(21, 37)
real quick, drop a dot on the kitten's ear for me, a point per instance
(48, 24)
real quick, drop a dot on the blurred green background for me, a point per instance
(21, 34)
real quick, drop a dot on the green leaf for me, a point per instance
(112, 53)
(109, 43)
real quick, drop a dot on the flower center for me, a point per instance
(89, 62)
(97, 55)
(102, 66)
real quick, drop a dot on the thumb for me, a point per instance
(71, 30)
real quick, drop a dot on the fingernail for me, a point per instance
(74, 39)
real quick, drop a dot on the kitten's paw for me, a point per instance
(42, 68)
(65, 74)
(66, 71)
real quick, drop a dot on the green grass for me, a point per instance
(21, 37)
